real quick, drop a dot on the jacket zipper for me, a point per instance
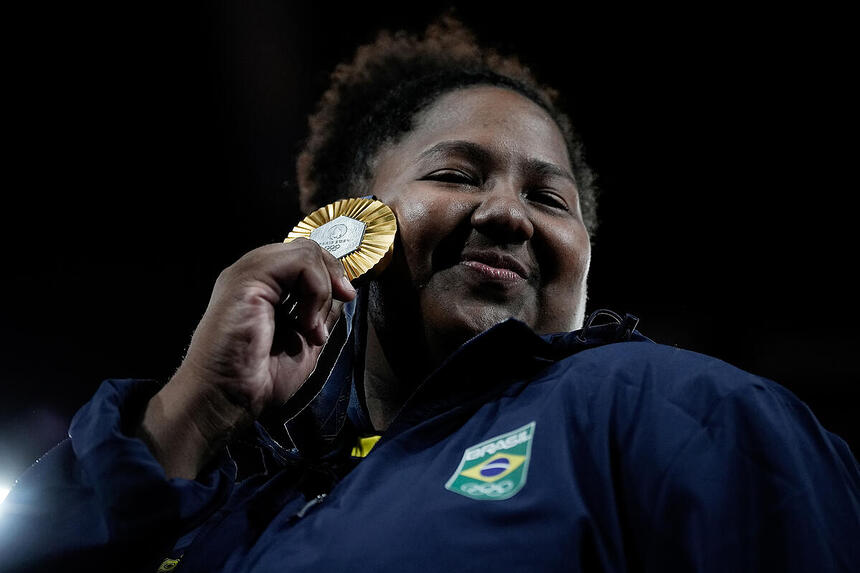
(301, 513)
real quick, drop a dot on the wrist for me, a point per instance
(187, 422)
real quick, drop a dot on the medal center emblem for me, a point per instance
(340, 236)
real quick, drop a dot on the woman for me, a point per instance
(507, 441)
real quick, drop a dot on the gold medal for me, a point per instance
(359, 232)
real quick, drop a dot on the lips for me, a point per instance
(496, 260)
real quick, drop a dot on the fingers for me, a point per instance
(307, 278)
(316, 288)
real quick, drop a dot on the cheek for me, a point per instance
(570, 253)
(427, 225)
(564, 265)
(411, 215)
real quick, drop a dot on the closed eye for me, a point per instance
(548, 198)
(452, 176)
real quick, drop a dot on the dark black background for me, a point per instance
(146, 146)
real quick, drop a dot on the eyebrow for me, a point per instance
(478, 154)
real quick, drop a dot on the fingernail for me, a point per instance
(346, 284)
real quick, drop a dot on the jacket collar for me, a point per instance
(491, 360)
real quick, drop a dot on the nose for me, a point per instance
(502, 216)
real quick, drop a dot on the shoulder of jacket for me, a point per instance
(647, 354)
(672, 372)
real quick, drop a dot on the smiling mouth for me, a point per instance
(493, 273)
(495, 265)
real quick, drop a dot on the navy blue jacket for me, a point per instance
(596, 450)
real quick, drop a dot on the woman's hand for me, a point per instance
(235, 348)
(246, 353)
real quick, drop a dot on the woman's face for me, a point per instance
(489, 223)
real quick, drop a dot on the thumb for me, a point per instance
(333, 314)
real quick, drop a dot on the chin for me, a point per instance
(455, 324)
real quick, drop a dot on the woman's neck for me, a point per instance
(384, 392)
(391, 378)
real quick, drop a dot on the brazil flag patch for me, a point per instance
(496, 468)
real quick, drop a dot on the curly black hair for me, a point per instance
(373, 100)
